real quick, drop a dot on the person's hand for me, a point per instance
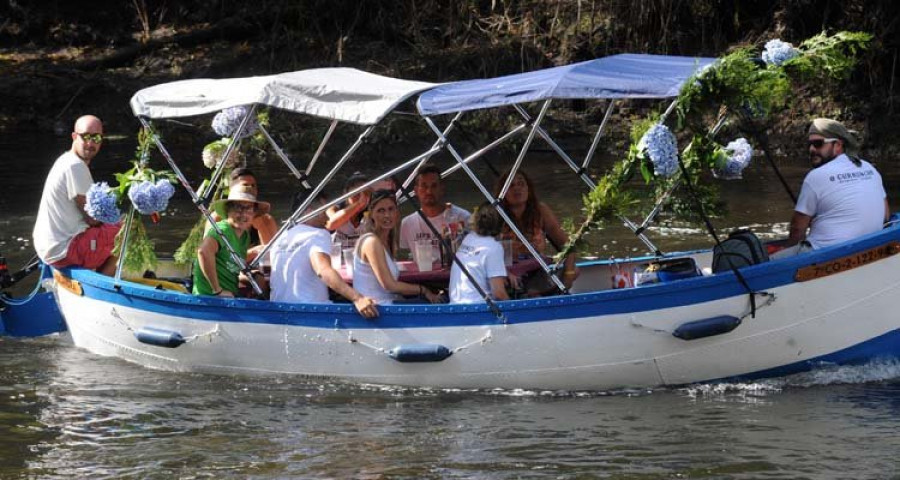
(225, 294)
(432, 296)
(515, 282)
(366, 307)
(569, 276)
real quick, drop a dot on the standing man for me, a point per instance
(429, 189)
(843, 196)
(302, 271)
(64, 234)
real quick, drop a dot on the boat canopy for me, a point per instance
(618, 76)
(343, 94)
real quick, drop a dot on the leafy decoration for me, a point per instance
(739, 87)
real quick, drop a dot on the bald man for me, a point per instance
(64, 234)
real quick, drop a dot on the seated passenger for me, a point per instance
(375, 274)
(302, 271)
(538, 223)
(264, 224)
(215, 271)
(346, 218)
(482, 256)
(429, 189)
(842, 197)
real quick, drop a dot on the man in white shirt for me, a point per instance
(429, 189)
(64, 234)
(302, 271)
(843, 196)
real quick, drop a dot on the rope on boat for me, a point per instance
(22, 301)
(215, 332)
(770, 299)
(488, 337)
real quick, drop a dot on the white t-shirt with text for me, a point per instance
(844, 200)
(413, 228)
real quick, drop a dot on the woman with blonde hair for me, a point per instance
(375, 273)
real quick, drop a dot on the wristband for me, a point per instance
(218, 293)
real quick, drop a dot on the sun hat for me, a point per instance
(829, 128)
(240, 193)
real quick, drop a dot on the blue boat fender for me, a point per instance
(159, 337)
(706, 327)
(422, 352)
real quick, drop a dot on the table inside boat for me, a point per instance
(437, 276)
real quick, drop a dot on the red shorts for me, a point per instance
(91, 248)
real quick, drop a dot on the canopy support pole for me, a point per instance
(201, 204)
(412, 176)
(586, 179)
(284, 158)
(524, 150)
(495, 202)
(325, 139)
(123, 247)
(596, 142)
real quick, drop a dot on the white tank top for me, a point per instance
(364, 280)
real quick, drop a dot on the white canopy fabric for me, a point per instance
(343, 94)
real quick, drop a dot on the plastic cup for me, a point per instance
(423, 255)
(507, 252)
(336, 255)
(347, 254)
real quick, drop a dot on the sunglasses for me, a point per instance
(819, 142)
(91, 137)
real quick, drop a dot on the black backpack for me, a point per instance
(740, 249)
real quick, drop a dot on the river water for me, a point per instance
(65, 413)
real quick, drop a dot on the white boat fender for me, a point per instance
(159, 337)
(421, 352)
(706, 327)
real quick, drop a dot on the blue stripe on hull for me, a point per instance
(885, 347)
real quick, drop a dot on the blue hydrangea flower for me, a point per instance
(101, 204)
(226, 122)
(148, 197)
(660, 145)
(739, 154)
(778, 52)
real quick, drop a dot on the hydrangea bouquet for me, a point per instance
(777, 52)
(102, 203)
(659, 145)
(737, 156)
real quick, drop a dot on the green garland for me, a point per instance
(738, 85)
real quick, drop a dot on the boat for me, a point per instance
(827, 307)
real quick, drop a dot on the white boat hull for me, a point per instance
(591, 341)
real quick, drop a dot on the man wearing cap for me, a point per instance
(841, 198)
(64, 234)
(302, 271)
(217, 271)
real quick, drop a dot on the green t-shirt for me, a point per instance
(226, 268)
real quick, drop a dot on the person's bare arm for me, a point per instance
(266, 225)
(321, 264)
(498, 288)
(206, 257)
(887, 210)
(799, 226)
(338, 217)
(81, 201)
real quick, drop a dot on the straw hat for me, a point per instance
(240, 193)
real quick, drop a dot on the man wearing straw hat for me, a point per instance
(843, 196)
(216, 272)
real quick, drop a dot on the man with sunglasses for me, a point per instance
(843, 196)
(64, 234)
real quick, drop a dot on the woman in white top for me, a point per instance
(374, 271)
(482, 255)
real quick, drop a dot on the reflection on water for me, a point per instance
(88, 416)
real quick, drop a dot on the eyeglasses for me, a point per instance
(819, 142)
(91, 137)
(237, 207)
